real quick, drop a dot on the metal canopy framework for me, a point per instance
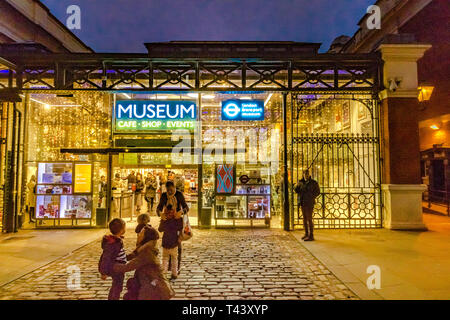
(295, 69)
(140, 72)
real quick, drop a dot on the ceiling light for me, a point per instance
(208, 96)
(268, 98)
(434, 127)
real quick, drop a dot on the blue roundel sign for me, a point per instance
(243, 110)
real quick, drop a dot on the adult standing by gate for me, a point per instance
(307, 189)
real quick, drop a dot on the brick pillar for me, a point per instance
(402, 189)
(400, 145)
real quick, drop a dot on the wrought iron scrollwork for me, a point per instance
(324, 73)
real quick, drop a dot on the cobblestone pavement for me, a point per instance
(217, 264)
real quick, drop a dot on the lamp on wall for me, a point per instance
(425, 91)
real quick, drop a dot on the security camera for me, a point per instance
(394, 84)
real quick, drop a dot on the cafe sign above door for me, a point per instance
(142, 115)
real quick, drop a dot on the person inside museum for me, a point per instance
(102, 191)
(179, 182)
(308, 190)
(150, 190)
(116, 187)
(138, 192)
(131, 178)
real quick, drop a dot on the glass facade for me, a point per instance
(73, 120)
(332, 136)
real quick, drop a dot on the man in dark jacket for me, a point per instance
(307, 190)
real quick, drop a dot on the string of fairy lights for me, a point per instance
(79, 121)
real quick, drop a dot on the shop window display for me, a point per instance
(47, 207)
(56, 173)
(258, 207)
(55, 188)
(76, 207)
(248, 199)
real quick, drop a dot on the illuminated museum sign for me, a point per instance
(244, 110)
(133, 115)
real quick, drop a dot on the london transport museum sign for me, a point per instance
(137, 115)
(244, 110)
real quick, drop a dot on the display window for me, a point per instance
(54, 189)
(76, 207)
(251, 198)
(252, 189)
(231, 207)
(47, 207)
(258, 207)
(55, 173)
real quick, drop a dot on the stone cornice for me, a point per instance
(403, 52)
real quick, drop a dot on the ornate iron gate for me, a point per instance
(343, 157)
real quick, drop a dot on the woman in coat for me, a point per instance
(150, 191)
(31, 197)
(149, 282)
(138, 192)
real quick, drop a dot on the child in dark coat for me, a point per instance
(113, 253)
(142, 220)
(171, 224)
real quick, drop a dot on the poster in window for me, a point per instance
(338, 117)
(47, 207)
(55, 173)
(76, 207)
(362, 112)
(83, 178)
(346, 115)
(225, 179)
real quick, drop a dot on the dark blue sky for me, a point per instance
(124, 25)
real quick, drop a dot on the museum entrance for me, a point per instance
(138, 180)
